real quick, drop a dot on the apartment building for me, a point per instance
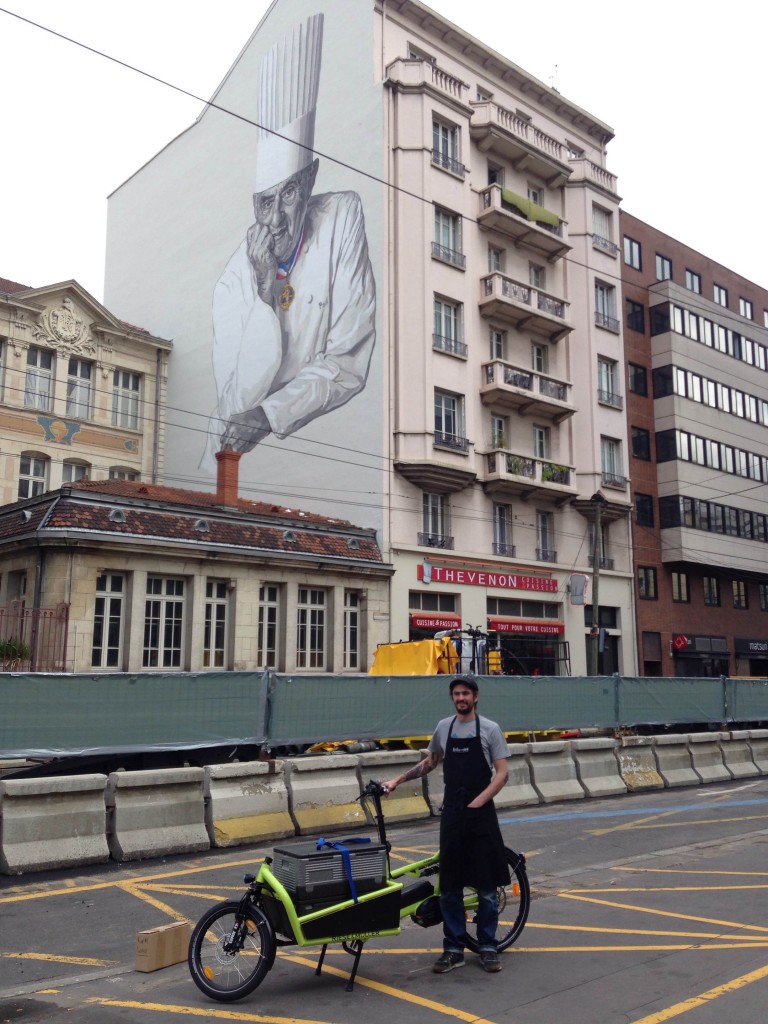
(696, 342)
(82, 394)
(443, 350)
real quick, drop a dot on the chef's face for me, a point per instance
(463, 698)
(281, 209)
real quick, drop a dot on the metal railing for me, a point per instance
(610, 398)
(436, 540)
(610, 322)
(605, 244)
(614, 480)
(605, 563)
(501, 547)
(33, 639)
(452, 256)
(450, 345)
(448, 163)
(546, 555)
(454, 441)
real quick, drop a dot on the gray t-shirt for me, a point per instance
(491, 737)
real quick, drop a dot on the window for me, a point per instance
(38, 382)
(33, 475)
(495, 174)
(126, 389)
(663, 268)
(646, 583)
(541, 442)
(310, 628)
(447, 242)
(269, 626)
(537, 276)
(119, 473)
(605, 306)
(108, 621)
(746, 308)
(495, 260)
(602, 230)
(635, 316)
(641, 443)
(435, 511)
(739, 594)
(535, 193)
(540, 358)
(352, 637)
(79, 388)
(482, 95)
(498, 343)
(693, 281)
(763, 591)
(447, 323)
(72, 471)
(502, 530)
(449, 420)
(445, 147)
(215, 630)
(163, 623)
(632, 253)
(545, 537)
(608, 382)
(711, 591)
(720, 295)
(644, 510)
(611, 462)
(499, 432)
(680, 587)
(765, 318)
(430, 601)
(638, 379)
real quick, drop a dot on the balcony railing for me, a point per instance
(448, 163)
(553, 389)
(605, 244)
(546, 555)
(614, 480)
(422, 74)
(453, 441)
(543, 391)
(586, 170)
(610, 398)
(436, 540)
(449, 345)
(609, 322)
(452, 256)
(605, 563)
(501, 547)
(504, 296)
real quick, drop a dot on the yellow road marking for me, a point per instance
(171, 890)
(692, 871)
(705, 997)
(640, 948)
(81, 961)
(204, 1011)
(671, 888)
(664, 913)
(641, 931)
(627, 826)
(673, 824)
(47, 991)
(135, 890)
(429, 1004)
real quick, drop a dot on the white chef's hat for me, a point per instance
(289, 75)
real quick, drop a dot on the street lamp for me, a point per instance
(599, 502)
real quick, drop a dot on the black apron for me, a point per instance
(471, 847)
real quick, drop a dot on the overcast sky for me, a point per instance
(682, 85)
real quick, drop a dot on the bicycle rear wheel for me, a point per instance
(231, 952)
(514, 904)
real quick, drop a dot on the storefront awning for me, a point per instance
(523, 627)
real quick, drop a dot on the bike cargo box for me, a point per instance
(311, 874)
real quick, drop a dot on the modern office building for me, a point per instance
(439, 353)
(696, 343)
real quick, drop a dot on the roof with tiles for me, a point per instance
(12, 286)
(157, 513)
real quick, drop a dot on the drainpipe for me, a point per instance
(156, 424)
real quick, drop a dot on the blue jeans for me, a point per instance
(455, 920)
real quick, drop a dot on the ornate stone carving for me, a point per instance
(62, 327)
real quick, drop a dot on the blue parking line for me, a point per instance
(583, 812)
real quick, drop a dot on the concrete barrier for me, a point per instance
(246, 802)
(597, 767)
(707, 757)
(553, 771)
(518, 791)
(409, 801)
(52, 823)
(637, 764)
(758, 744)
(737, 754)
(673, 761)
(153, 813)
(323, 792)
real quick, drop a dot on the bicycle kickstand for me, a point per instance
(319, 968)
(355, 949)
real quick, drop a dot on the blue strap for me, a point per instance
(342, 847)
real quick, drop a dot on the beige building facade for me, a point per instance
(82, 394)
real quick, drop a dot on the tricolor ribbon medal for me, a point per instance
(288, 293)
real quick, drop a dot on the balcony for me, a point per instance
(497, 213)
(610, 398)
(446, 255)
(523, 306)
(605, 245)
(525, 391)
(546, 555)
(508, 475)
(498, 130)
(610, 323)
(615, 480)
(436, 540)
(584, 170)
(448, 163)
(449, 345)
(431, 466)
(505, 550)
(605, 563)
(452, 441)
(424, 76)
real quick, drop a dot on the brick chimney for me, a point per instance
(227, 470)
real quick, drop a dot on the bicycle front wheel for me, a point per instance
(231, 952)
(514, 903)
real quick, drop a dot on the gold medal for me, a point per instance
(286, 297)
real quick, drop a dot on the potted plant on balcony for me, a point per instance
(553, 472)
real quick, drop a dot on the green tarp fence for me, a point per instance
(45, 715)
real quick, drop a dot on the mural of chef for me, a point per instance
(294, 310)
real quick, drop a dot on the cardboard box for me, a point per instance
(163, 946)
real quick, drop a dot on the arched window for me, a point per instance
(73, 470)
(121, 473)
